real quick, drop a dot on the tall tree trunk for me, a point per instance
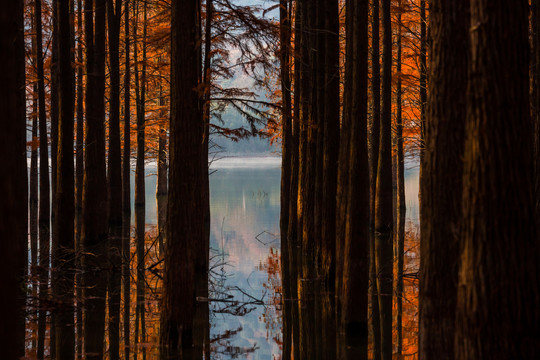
(114, 9)
(535, 100)
(186, 255)
(64, 261)
(383, 194)
(13, 188)
(79, 180)
(286, 168)
(374, 162)
(94, 231)
(140, 201)
(126, 188)
(498, 307)
(356, 259)
(400, 198)
(161, 186)
(44, 185)
(423, 75)
(442, 166)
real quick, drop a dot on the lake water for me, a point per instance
(245, 254)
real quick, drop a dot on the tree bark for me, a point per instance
(498, 307)
(186, 253)
(383, 194)
(13, 188)
(442, 168)
(94, 230)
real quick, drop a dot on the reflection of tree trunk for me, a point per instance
(140, 201)
(374, 161)
(114, 179)
(13, 188)
(441, 207)
(186, 252)
(79, 176)
(499, 270)
(286, 169)
(356, 260)
(94, 231)
(63, 260)
(126, 189)
(400, 198)
(44, 189)
(383, 194)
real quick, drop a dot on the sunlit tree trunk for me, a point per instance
(383, 194)
(13, 188)
(94, 231)
(63, 260)
(186, 252)
(498, 307)
(126, 187)
(441, 184)
(374, 162)
(114, 179)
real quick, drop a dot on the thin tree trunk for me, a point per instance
(13, 188)
(400, 198)
(94, 231)
(161, 186)
(441, 186)
(383, 194)
(44, 186)
(374, 162)
(79, 179)
(64, 261)
(126, 188)
(499, 222)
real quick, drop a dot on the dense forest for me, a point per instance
(100, 98)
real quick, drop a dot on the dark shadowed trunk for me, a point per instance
(441, 183)
(161, 185)
(498, 307)
(64, 260)
(13, 188)
(383, 194)
(94, 231)
(186, 252)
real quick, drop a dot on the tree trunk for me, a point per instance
(44, 185)
(441, 184)
(94, 231)
(186, 253)
(383, 194)
(114, 179)
(126, 188)
(161, 186)
(356, 260)
(498, 307)
(400, 198)
(374, 162)
(13, 188)
(63, 261)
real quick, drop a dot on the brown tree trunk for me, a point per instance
(400, 198)
(356, 255)
(186, 253)
(13, 188)
(441, 184)
(161, 186)
(63, 260)
(79, 180)
(374, 162)
(535, 100)
(44, 185)
(383, 194)
(126, 188)
(114, 179)
(498, 307)
(94, 231)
